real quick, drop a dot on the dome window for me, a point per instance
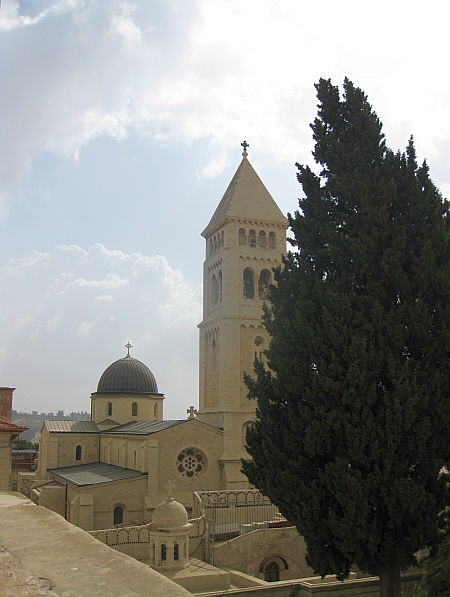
(109, 408)
(134, 409)
(78, 451)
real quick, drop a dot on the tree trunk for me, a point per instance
(390, 579)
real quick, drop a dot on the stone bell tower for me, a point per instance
(245, 240)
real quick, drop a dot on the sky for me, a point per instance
(120, 129)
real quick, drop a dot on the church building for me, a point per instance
(116, 467)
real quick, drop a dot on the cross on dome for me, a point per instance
(128, 346)
(191, 411)
(244, 144)
(170, 486)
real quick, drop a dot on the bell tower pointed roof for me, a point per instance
(246, 198)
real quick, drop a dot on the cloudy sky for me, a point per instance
(120, 128)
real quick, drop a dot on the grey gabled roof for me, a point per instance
(94, 473)
(71, 426)
(143, 427)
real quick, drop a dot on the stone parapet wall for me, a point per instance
(26, 482)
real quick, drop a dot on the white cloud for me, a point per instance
(18, 266)
(84, 328)
(107, 298)
(111, 281)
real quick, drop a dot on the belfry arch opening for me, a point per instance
(214, 290)
(249, 283)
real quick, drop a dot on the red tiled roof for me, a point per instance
(11, 427)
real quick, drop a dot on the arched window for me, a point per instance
(262, 239)
(263, 283)
(272, 572)
(249, 283)
(252, 238)
(214, 290)
(118, 515)
(220, 285)
(242, 237)
(176, 552)
(78, 450)
(163, 552)
(134, 409)
(221, 239)
(215, 244)
(272, 240)
(155, 411)
(109, 408)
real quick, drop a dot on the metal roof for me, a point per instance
(129, 376)
(94, 473)
(143, 427)
(71, 426)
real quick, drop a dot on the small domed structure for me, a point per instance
(169, 534)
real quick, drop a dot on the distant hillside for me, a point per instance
(34, 421)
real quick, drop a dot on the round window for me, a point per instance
(191, 462)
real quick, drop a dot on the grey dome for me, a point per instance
(127, 376)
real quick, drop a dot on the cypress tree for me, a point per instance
(351, 437)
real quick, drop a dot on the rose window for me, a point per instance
(191, 462)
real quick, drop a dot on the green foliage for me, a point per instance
(352, 426)
(437, 577)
